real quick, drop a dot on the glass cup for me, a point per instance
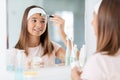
(10, 59)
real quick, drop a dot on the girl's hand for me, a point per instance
(58, 21)
(75, 73)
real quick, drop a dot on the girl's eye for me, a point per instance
(42, 21)
(34, 20)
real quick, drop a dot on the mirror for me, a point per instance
(71, 10)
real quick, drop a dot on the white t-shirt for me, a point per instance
(38, 51)
(102, 67)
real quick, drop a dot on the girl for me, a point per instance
(105, 64)
(34, 38)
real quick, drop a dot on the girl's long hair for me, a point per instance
(108, 36)
(24, 38)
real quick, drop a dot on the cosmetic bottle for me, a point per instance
(19, 65)
(82, 56)
(73, 54)
(67, 57)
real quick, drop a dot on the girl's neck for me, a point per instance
(34, 41)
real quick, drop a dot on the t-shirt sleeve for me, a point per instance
(92, 70)
(56, 46)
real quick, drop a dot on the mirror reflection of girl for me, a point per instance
(105, 64)
(35, 40)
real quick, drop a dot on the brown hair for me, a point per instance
(24, 38)
(108, 37)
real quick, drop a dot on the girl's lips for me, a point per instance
(37, 30)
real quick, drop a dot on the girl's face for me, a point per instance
(36, 24)
(95, 23)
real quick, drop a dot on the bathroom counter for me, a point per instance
(48, 73)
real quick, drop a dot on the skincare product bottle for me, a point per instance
(73, 54)
(19, 65)
(82, 56)
(67, 57)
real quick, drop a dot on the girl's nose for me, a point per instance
(38, 24)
